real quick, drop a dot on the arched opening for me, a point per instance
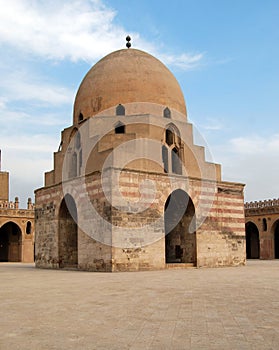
(169, 137)
(68, 233)
(252, 241)
(180, 229)
(10, 242)
(276, 240)
(28, 227)
(264, 224)
(120, 110)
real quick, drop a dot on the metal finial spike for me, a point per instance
(128, 39)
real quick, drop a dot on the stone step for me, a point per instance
(180, 265)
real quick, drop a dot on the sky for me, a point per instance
(224, 54)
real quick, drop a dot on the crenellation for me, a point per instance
(262, 239)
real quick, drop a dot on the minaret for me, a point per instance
(4, 184)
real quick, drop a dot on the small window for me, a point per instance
(80, 117)
(120, 128)
(167, 113)
(120, 110)
(264, 225)
(28, 228)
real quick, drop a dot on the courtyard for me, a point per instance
(212, 308)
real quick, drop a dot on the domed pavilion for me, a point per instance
(130, 190)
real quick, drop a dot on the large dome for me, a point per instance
(127, 76)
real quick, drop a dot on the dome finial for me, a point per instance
(128, 44)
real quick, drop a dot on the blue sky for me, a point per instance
(225, 55)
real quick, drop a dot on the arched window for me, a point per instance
(169, 137)
(264, 225)
(167, 113)
(120, 128)
(120, 110)
(28, 228)
(75, 154)
(171, 151)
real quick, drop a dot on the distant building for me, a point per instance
(130, 190)
(16, 226)
(262, 229)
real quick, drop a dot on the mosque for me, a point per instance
(129, 189)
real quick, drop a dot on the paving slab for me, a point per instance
(220, 308)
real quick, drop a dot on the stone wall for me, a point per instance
(265, 216)
(122, 228)
(219, 214)
(16, 232)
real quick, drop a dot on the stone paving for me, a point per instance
(221, 308)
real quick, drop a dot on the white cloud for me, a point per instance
(75, 30)
(60, 29)
(211, 124)
(256, 145)
(184, 61)
(252, 160)
(27, 157)
(25, 86)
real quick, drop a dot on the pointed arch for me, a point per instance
(172, 144)
(180, 228)
(10, 242)
(252, 241)
(68, 233)
(74, 155)
(170, 139)
(174, 129)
